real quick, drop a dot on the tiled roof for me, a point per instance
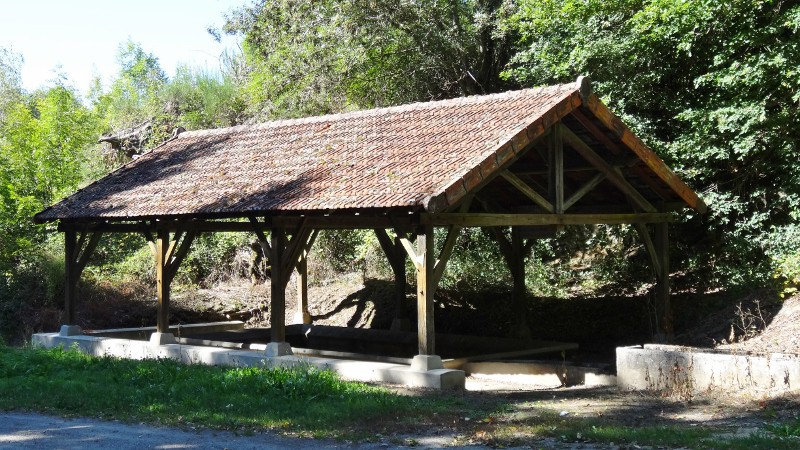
(399, 157)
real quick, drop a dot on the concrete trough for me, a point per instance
(682, 370)
(368, 371)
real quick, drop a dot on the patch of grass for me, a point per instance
(545, 423)
(305, 400)
(785, 429)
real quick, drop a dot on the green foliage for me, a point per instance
(308, 58)
(712, 86)
(44, 144)
(199, 99)
(212, 257)
(788, 271)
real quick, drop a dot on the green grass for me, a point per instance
(303, 400)
(309, 402)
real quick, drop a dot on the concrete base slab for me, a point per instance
(190, 354)
(70, 330)
(162, 338)
(540, 373)
(684, 370)
(278, 349)
(426, 362)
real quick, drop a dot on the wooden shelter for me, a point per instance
(530, 160)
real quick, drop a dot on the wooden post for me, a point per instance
(425, 288)
(278, 287)
(71, 278)
(162, 281)
(556, 170)
(398, 264)
(518, 300)
(396, 255)
(302, 315)
(662, 290)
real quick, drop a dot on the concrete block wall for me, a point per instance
(684, 370)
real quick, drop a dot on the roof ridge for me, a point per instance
(407, 107)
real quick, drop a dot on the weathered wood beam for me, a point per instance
(502, 220)
(449, 243)
(396, 255)
(409, 248)
(402, 220)
(617, 150)
(260, 231)
(613, 176)
(555, 176)
(162, 281)
(296, 245)
(302, 315)
(644, 234)
(278, 287)
(77, 252)
(518, 291)
(624, 134)
(176, 257)
(583, 190)
(617, 162)
(70, 275)
(86, 252)
(527, 190)
(663, 304)
(425, 290)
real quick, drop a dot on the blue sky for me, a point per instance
(83, 36)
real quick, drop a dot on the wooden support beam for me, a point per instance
(302, 315)
(555, 177)
(278, 287)
(613, 176)
(162, 281)
(425, 290)
(169, 254)
(518, 291)
(527, 190)
(663, 304)
(617, 150)
(396, 255)
(583, 190)
(409, 248)
(400, 219)
(177, 257)
(71, 276)
(444, 255)
(624, 134)
(86, 252)
(294, 249)
(449, 243)
(503, 220)
(260, 230)
(78, 248)
(655, 259)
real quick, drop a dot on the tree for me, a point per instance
(711, 85)
(309, 58)
(43, 151)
